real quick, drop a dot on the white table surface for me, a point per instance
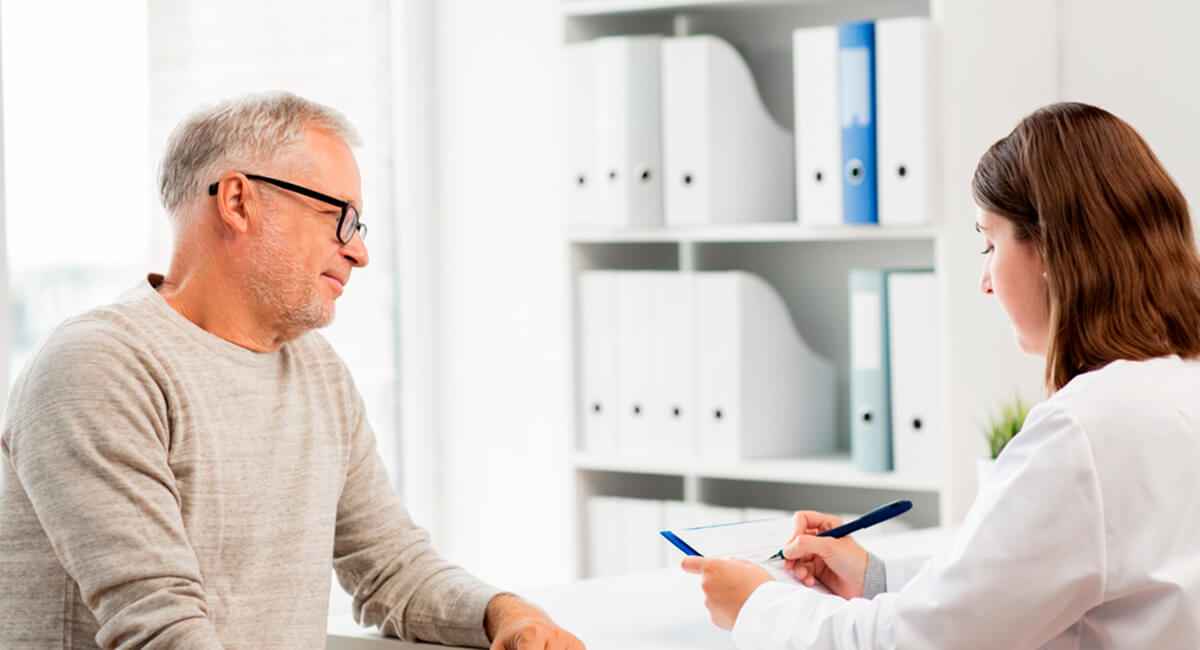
(657, 610)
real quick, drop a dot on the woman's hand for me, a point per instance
(727, 585)
(839, 564)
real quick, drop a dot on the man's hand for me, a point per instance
(513, 624)
(727, 585)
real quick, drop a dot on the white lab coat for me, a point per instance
(1085, 535)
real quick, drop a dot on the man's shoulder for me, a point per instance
(131, 325)
(104, 329)
(86, 349)
(93, 347)
(93, 336)
(87, 362)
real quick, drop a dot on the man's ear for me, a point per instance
(237, 202)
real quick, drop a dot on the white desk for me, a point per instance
(658, 610)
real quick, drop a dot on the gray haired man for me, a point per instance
(182, 468)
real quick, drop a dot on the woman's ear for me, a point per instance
(1039, 259)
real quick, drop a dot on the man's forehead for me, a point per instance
(331, 167)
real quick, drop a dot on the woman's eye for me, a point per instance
(989, 249)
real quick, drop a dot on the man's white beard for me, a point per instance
(277, 281)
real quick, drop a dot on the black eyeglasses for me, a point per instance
(348, 222)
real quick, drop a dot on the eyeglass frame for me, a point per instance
(360, 228)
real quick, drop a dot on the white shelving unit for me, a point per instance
(612, 7)
(764, 232)
(832, 470)
(981, 96)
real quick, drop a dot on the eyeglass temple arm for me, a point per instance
(292, 187)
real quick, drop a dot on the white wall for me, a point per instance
(502, 284)
(989, 82)
(1139, 61)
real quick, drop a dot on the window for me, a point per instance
(75, 108)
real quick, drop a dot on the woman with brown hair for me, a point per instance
(1087, 533)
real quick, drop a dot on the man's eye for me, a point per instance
(989, 249)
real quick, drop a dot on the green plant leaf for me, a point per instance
(1005, 425)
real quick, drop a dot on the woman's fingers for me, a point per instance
(804, 546)
(805, 521)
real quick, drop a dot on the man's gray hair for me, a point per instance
(237, 134)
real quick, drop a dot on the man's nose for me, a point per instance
(356, 251)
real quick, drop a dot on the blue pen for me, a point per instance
(878, 515)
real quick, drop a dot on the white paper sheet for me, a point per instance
(754, 541)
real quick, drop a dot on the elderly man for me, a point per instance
(182, 468)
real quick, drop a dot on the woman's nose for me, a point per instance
(985, 282)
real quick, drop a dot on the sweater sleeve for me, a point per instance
(875, 582)
(386, 562)
(87, 435)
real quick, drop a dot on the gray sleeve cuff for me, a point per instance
(452, 614)
(875, 581)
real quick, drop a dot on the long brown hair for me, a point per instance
(1113, 231)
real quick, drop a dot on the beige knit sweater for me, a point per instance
(161, 487)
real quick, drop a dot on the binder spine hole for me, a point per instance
(637, 409)
(867, 417)
(612, 174)
(581, 180)
(687, 179)
(917, 424)
(854, 172)
(596, 408)
(902, 171)
(819, 176)
(718, 414)
(676, 411)
(645, 176)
